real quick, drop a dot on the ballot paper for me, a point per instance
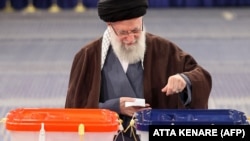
(138, 102)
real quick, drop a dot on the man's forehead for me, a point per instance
(129, 21)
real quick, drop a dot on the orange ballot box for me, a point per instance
(55, 124)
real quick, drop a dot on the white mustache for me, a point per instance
(126, 42)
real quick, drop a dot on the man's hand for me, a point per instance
(129, 111)
(176, 84)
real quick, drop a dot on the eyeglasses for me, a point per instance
(124, 33)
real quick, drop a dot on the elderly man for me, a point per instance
(127, 63)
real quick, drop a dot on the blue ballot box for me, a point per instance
(145, 118)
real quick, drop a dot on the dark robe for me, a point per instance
(162, 59)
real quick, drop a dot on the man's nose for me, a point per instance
(130, 38)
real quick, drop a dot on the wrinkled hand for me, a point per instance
(176, 84)
(129, 111)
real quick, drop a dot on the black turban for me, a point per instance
(118, 10)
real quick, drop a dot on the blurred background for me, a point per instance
(39, 38)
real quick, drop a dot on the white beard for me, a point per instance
(132, 53)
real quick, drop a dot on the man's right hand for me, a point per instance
(129, 111)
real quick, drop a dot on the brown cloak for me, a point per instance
(162, 59)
